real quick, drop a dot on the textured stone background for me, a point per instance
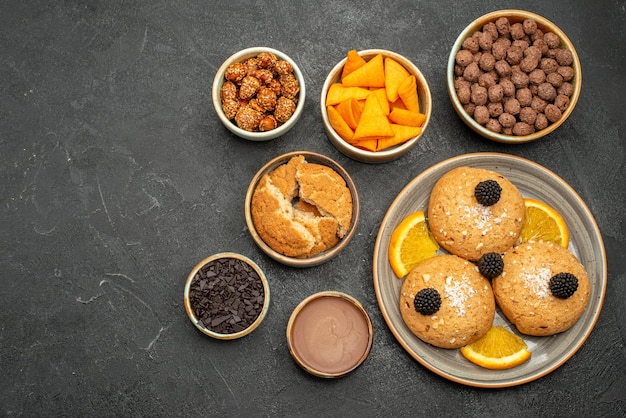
(117, 178)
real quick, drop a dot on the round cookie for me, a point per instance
(467, 304)
(467, 228)
(523, 292)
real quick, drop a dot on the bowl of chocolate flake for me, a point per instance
(226, 296)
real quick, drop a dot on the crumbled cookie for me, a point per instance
(301, 209)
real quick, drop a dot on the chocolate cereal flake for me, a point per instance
(527, 74)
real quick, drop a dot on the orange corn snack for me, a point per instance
(339, 125)
(337, 93)
(407, 90)
(372, 74)
(350, 111)
(398, 104)
(381, 95)
(368, 144)
(407, 117)
(395, 74)
(402, 134)
(353, 61)
(373, 123)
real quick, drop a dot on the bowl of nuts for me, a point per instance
(376, 105)
(513, 76)
(259, 93)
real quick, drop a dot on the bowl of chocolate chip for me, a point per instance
(259, 93)
(513, 76)
(226, 296)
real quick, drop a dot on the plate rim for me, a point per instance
(498, 158)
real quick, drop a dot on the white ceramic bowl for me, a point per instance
(230, 124)
(514, 16)
(390, 154)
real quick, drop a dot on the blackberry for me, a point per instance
(563, 285)
(427, 301)
(487, 192)
(490, 265)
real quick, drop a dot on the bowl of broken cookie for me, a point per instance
(302, 208)
(259, 93)
(513, 76)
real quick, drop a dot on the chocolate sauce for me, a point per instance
(331, 335)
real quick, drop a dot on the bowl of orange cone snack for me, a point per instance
(375, 105)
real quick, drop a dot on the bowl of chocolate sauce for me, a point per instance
(330, 334)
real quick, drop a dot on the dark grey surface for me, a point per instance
(117, 178)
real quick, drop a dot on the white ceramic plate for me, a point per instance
(548, 353)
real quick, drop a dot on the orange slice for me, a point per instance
(499, 349)
(411, 242)
(543, 223)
